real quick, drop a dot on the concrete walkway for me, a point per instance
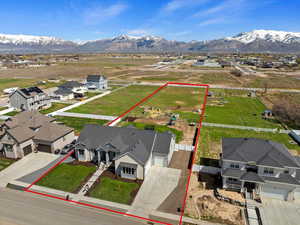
(81, 115)
(3, 112)
(160, 182)
(92, 180)
(274, 130)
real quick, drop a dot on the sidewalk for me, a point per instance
(81, 115)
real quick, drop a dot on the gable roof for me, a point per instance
(70, 84)
(138, 144)
(50, 132)
(31, 119)
(95, 78)
(262, 152)
(21, 133)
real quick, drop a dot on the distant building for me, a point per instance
(96, 82)
(69, 90)
(207, 63)
(28, 99)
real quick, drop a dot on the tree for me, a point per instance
(288, 113)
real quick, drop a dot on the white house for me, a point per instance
(131, 151)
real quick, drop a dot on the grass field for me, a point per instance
(5, 163)
(78, 123)
(158, 128)
(13, 113)
(210, 140)
(55, 106)
(117, 102)
(242, 111)
(114, 190)
(169, 98)
(67, 177)
(11, 82)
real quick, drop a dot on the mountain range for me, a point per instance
(254, 41)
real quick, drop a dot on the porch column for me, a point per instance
(99, 158)
(107, 158)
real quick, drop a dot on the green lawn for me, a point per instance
(210, 139)
(115, 103)
(55, 106)
(11, 82)
(243, 111)
(3, 108)
(67, 177)
(13, 113)
(5, 163)
(158, 128)
(114, 190)
(78, 123)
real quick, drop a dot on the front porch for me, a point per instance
(230, 183)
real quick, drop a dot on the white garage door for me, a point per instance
(274, 192)
(297, 195)
(159, 161)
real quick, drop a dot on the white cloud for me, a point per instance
(99, 14)
(212, 21)
(179, 4)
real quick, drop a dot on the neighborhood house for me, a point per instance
(29, 99)
(96, 82)
(69, 90)
(260, 167)
(31, 131)
(131, 151)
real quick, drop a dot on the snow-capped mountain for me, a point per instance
(267, 35)
(29, 39)
(254, 41)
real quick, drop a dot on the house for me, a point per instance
(130, 151)
(96, 82)
(261, 167)
(31, 131)
(28, 99)
(69, 90)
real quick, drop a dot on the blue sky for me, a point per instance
(173, 19)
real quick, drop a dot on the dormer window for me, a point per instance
(234, 166)
(269, 171)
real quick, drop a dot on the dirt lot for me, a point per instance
(201, 203)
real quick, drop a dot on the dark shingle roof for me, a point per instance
(136, 143)
(262, 152)
(251, 177)
(70, 84)
(235, 173)
(283, 178)
(63, 91)
(95, 78)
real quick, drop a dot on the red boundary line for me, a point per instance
(121, 116)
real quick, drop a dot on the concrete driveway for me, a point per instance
(158, 185)
(25, 166)
(277, 212)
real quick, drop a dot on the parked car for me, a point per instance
(56, 152)
(67, 149)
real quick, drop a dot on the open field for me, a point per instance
(5, 163)
(117, 102)
(78, 123)
(88, 64)
(55, 106)
(67, 177)
(114, 190)
(242, 111)
(210, 140)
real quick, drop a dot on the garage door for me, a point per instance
(274, 192)
(297, 195)
(27, 150)
(44, 148)
(159, 161)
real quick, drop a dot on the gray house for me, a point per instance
(28, 99)
(131, 151)
(29, 131)
(261, 167)
(96, 82)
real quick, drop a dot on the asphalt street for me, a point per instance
(22, 208)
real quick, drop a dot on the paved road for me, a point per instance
(21, 208)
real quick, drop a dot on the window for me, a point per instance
(127, 170)
(232, 179)
(268, 171)
(81, 152)
(8, 148)
(234, 166)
